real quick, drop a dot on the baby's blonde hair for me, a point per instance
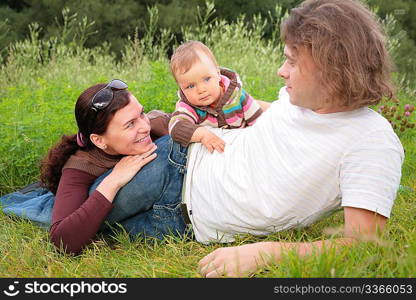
(186, 55)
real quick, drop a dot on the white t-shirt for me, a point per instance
(289, 169)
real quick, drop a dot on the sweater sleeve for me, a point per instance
(159, 122)
(183, 123)
(76, 217)
(251, 108)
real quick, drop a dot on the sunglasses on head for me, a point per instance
(103, 97)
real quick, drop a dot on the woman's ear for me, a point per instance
(98, 140)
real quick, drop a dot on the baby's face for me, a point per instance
(201, 83)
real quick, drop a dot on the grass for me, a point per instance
(36, 108)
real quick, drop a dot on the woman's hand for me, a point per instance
(236, 261)
(129, 165)
(123, 172)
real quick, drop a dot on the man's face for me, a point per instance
(301, 79)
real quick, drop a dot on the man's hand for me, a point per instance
(236, 261)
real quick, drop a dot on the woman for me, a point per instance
(114, 132)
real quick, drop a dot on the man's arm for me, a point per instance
(360, 224)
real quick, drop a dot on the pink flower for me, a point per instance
(407, 107)
(380, 108)
(407, 113)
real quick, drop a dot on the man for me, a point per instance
(322, 148)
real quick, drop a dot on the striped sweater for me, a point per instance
(235, 109)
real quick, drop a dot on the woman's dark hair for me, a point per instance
(89, 121)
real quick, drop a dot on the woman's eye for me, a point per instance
(130, 124)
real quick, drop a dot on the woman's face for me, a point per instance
(128, 133)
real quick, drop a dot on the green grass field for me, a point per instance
(40, 83)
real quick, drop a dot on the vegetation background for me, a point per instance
(52, 50)
(114, 21)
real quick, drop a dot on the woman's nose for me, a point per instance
(144, 125)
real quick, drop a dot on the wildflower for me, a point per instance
(407, 113)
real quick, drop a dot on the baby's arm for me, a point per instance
(252, 109)
(183, 123)
(184, 129)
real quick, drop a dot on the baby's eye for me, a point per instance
(207, 79)
(191, 86)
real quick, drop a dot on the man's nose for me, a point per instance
(282, 72)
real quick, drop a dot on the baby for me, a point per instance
(209, 96)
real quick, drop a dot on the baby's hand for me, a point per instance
(208, 139)
(212, 142)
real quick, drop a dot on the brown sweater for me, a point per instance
(76, 217)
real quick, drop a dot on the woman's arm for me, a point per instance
(76, 216)
(360, 224)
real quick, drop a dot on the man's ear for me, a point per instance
(98, 140)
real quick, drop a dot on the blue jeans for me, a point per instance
(150, 204)
(33, 203)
